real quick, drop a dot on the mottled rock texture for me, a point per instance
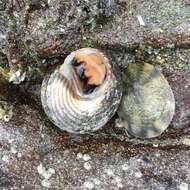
(36, 155)
(35, 37)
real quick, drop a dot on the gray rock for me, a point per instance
(35, 37)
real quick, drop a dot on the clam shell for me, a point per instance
(76, 114)
(148, 104)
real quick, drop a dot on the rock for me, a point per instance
(35, 37)
(31, 30)
(180, 83)
(166, 23)
(53, 157)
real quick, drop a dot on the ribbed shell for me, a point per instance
(148, 103)
(76, 115)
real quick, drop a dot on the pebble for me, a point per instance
(87, 166)
(88, 185)
(86, 157)
(183, 186)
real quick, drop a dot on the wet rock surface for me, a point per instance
(181, 90)
(156, 23)
(36, 155)
(35, 37)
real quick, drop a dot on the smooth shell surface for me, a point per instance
(148, 104)
(76, 114)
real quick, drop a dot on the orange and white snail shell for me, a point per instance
(83, 93)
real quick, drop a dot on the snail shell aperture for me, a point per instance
(148, 104)
(82, 94)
